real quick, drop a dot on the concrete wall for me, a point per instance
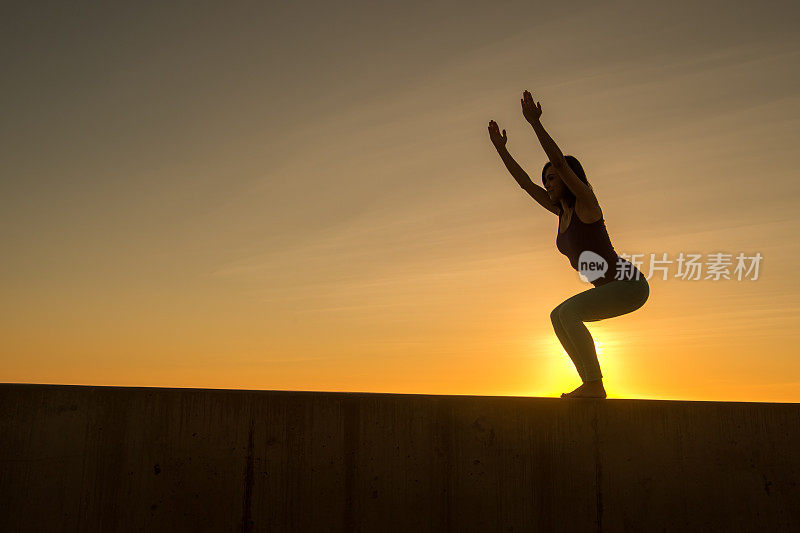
(77, 458)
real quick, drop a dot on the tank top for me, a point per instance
(581, 236)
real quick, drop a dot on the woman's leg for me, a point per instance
(612, 299)
(566, 342)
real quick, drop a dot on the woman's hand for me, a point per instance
(499, 141)
(532, 111)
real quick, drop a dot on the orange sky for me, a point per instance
(305, 197)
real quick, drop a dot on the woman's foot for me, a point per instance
(589, 389)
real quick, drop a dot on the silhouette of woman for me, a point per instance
(583, 238)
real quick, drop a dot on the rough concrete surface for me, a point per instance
(81, 458)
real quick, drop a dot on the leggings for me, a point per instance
(611, 299)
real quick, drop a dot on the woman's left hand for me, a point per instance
(532, 111)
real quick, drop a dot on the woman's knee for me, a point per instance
(645, 292)
(554, 316)
(641, 295)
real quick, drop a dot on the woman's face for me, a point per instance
(553, 184)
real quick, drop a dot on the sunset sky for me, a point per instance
(303, 196)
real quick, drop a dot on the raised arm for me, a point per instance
(538, 193)
(533, 113)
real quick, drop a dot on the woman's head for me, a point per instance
(556, 187)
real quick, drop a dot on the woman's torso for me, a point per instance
(585, 213)
(575, 236)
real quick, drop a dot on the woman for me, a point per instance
(619, 287)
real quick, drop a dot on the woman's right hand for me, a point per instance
(499, 141)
